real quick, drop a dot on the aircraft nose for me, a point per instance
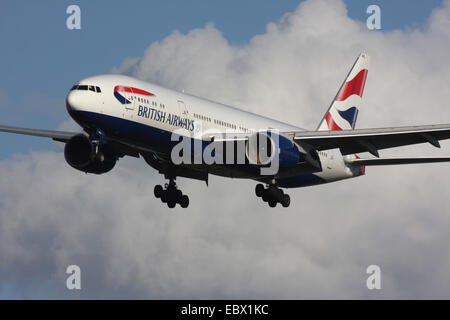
(73, 101)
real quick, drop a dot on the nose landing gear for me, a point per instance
(171, 195)
(272, 195)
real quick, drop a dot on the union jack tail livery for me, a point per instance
(344, 109)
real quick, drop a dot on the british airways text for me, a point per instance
(163, 116)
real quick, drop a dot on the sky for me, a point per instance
(41, 58)
(283, 59)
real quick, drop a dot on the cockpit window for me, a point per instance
(86, 87)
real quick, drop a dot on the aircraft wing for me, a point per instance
(62, 136)
(371, 140)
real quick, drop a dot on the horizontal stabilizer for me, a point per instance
(392, 161)
(372, 140)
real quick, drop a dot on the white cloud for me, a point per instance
(228, 244)
(69, 125)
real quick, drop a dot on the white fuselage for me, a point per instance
(144, 112)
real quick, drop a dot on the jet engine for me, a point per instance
(263, 147)
(84, 155)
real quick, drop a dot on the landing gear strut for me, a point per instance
(171, 195)
(272, 195)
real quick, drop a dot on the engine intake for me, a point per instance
(82, 154)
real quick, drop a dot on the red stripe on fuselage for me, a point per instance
(354, 86)
(133, 90)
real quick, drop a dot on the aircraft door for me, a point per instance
(182, 109)
(130, 103)
(131, 98)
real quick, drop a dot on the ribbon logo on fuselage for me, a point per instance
(119, 96)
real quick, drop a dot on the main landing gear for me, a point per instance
(272, 195)
(171, 195)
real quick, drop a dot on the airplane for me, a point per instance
(123, 116)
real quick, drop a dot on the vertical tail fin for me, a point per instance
(342, 113)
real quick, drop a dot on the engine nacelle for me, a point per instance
(263, 147)
(81, 154)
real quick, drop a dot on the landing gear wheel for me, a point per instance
(259, 190)
(171, 203)
(158, 191)
(164, 196)
(171, 195)
(184, 203)
(286, 201)
(272, 195)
